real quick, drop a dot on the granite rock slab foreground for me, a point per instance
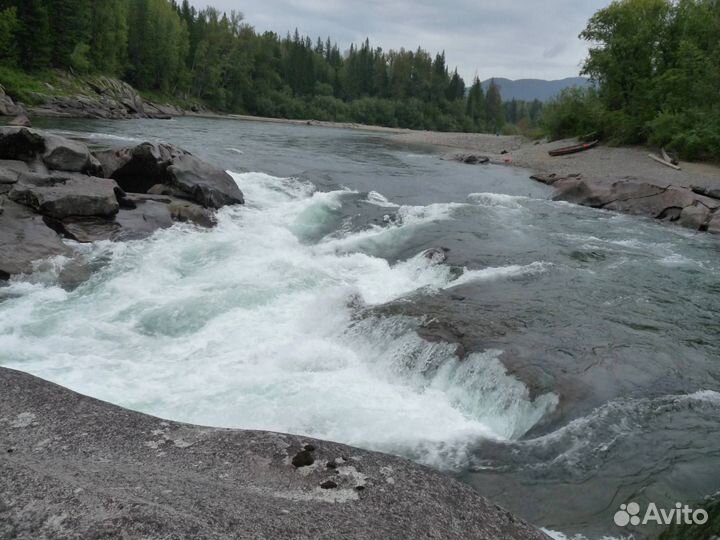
(75, 467)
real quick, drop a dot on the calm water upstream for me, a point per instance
(589, 368)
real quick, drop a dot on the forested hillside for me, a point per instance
(171, 49)
(657, 64)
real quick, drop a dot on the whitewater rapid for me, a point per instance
(255, 324)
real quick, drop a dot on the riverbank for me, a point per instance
(623, 179)
(601, 163)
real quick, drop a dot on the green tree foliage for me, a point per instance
(657, 68)
(109, 36)
(495, 113)
(8, 27)
(170, 47)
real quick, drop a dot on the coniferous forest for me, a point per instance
(655, 63)
(171, 49)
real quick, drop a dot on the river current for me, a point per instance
(562, 360)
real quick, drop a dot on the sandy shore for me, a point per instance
(600, 163)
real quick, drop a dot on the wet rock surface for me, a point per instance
(167, 169)
(52, 188)
(75, 467)
(692, 208)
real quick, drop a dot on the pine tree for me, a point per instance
(33, 34)
(495, 114)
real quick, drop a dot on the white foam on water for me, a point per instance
(378, 199)
(556, 535)
(497, 199)
(247, 326)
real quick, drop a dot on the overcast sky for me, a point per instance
(491, 38)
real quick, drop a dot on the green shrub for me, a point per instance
(574, 112)
(693, 135)
(22, 86)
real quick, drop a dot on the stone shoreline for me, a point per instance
(53, 188)
(621, 179)
(75, 467)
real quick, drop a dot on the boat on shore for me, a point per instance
(573, 149)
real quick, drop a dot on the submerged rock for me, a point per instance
(73, 466)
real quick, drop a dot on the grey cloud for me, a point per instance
(514, 39)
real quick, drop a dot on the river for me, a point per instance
(562, 360)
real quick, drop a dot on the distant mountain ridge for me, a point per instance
(530, 89)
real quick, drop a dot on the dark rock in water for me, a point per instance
(82, 468)
(57, 178)
(142, 216)
(148, 217)
(57, 153)
(137, 169)
(85, 229)
(62, 154)
(142, 168)
(670, 203)
(20, 120)
(60, 195)
(24, 238)
(471, 159)
(21, 144)
(329, 484)
(203, 183)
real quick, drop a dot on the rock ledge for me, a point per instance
(75, 467)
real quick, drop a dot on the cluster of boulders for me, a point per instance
(695, 208)
(53, 188)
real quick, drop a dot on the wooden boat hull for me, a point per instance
(573, 149)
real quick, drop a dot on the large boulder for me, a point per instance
(200, 182)
(55, 152)
(695, 216)
(142, 168)
(24, 239)
(10, 171)
(76, 467)
(21, 143)
(136, 169)
(60, 195)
